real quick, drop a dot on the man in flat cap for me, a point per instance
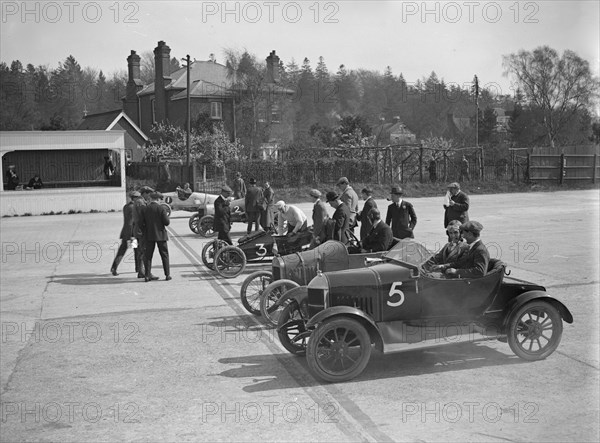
(155, 220)
(458, 205)
(474, 262)
(252, 201)
(138, 207)
(126, 235)
(380, 237)
(401, 215)
(349, 197)
(222, 220)
(319, 217)
(340, 219)
(365, 221)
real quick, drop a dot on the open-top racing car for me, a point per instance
(396, 306)
(202, 222)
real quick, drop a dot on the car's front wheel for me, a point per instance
(270, 305)
(193, 223)
(209, 250)
(534, 330)
(205, 226)
(338, 349)
(230, 261)
(292, 323)
(252, 289)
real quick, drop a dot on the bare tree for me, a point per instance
(558, 86)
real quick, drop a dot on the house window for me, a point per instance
(216, 110)
(275, 114)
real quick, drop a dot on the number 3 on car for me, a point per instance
(396, 296)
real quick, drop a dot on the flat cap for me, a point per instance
(454, 185)
(315, 193)
(331, 196)
(342, 181)
(280, 204)
(146, 190)
(472, 226)
(134, 194)
(252, 181)
(226, 188)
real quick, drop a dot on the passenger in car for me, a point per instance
(474, 262)
(450, 252)
(380, 236)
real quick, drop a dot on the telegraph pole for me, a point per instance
(188, 123)
(476, 90)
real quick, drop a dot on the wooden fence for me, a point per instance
(560, 168)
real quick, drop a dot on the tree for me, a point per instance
(559, 86)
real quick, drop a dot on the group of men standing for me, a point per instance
(144, 228)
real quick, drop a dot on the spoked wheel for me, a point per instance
(194, 223)
(270, 308)
(230, 261)
(292, 323)
(338, 350)
(205, 226)
(535, 330)
(209, 251)
(252, 288)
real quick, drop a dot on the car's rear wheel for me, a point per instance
(252, 288)
(230, 261)
(270, 306)
(194, 223)
(338, 349)
(209, 250)
(534, 330)
(292, 323)
(205, 226)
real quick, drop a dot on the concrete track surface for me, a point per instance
(87, 356)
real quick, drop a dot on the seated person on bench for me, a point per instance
(474, 262)
(184, 193)
(380, 236)
(450, 253)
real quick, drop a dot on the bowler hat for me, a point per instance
(226, 188)
(397, 190)
(454, 185)
(252, 181)
(134, 194)
(331, 196)
(315, 193)
(342, 181)
(471, 226)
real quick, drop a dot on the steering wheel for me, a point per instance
(351, 240)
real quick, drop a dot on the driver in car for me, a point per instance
(474, 262)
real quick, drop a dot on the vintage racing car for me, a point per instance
(395, 306)
(202, 222)
(196, 201)
(230, 261)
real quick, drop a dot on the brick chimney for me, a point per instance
(162, 69)
(134, 85)
(273, 68)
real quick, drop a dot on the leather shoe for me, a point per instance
(151, 278)
(141, 275)
(168, 277)
(113, 271)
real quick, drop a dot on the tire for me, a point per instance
(329, 355)
(270, 309)
(209, 251)
(230, 261)
(534, 330)
(292, 322)
(252, 288)
(205, 226)
(193, 223)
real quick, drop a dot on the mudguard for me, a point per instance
(526, 297)
(355, 313)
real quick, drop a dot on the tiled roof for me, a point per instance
(100, 121)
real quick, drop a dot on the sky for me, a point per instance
(457, 40)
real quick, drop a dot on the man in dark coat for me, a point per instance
(341, 218)
(155, 219)
(474, 262)
(12, 179)
(266, 215)
(239, 186)
(319, 218)
(380, 236)
(138, 207)
(458, 205)
(401, 216)
(252, 201)
(126, 235)
(222, 220)
(365, 221)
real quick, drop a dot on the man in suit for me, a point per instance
(266, 215)
(319, 217)
(365, 221)
(340, 220)
(138, 207)
(380, 236)
(222, 220)
(154, 222)
(349, 197)
(474, 262)
(126, 231)
(252, 200)
(401, 215)
(458, 205)
(239, 186)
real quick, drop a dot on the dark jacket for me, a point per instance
(473, 263)
(239, 188)
(155, 221)
(222, 220)
(138, 208)
(379, 238)
(449, 253)
(341, 223)
(254, 195)
(402, 219)
(459, 211)
(127, 229)
(365, 221)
